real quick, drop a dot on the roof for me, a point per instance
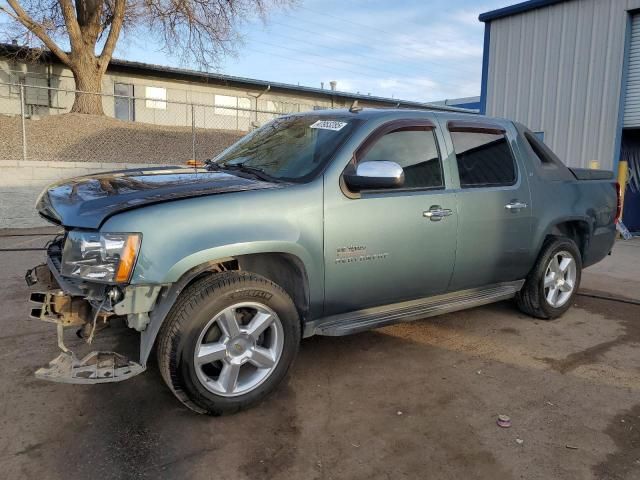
(141, 68)
(516, 9)
(375, 112)
(470, 103)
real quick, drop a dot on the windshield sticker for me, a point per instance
(329, 125)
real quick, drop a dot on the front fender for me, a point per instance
(183, 273)
(225, 252)
(180, 236)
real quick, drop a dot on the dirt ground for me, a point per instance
(416, 400)
(92, 138)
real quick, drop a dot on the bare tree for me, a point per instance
(197, 30)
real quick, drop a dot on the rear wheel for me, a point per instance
(228, 342)
(553, 282)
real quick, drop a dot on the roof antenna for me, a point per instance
(355, 108)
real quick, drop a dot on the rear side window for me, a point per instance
(415, 150)
(484, 159)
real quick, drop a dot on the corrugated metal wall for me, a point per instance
(632, 95)
(558, 69)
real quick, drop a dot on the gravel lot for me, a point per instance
(416, 400)
(89, 138)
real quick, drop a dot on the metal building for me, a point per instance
(569, 69)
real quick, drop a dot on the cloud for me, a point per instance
(418, 88)
(413, 50)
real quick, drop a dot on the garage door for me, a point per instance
(632, 98)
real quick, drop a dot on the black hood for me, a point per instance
(86, 202)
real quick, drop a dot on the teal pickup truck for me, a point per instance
(320, 223)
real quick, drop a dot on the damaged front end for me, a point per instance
(87, 307)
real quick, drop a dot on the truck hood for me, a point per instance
(86, 202)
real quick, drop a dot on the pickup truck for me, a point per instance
(319, 223)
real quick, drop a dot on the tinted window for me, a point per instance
(484, 159)
(415, 151)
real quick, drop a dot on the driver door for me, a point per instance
(382, 246)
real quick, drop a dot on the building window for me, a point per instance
(230, 105)
(245, 104)
(124, 103)
(36, 96)
(484, 159)
(156, 97)
(415, 150)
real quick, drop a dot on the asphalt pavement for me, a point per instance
(416, 400)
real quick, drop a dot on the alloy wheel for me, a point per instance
(560, 279)
(238, 349)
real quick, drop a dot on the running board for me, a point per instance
(362, 320)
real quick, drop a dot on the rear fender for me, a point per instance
(555, 228)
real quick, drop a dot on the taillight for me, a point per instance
(619, 202)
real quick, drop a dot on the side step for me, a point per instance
(362, 320)
(96, 367)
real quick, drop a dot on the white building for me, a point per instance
(162, 95)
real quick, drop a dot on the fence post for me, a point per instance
(193, 133)
(24, 130)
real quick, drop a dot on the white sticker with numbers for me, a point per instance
(329, 125)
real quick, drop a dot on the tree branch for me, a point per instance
(70, 20)
(114, 32)
(89, 15)
(25, 19)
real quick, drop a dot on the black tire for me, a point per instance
(531, 299)
(195, 307)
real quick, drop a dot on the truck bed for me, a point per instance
(589, 174)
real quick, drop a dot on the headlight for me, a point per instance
(102, 257)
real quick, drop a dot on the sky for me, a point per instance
(420, 50)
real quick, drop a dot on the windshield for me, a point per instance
(292, 148)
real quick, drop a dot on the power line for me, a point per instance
(314, 63)
(363, 66)
(368, 45)
(360, 74)
(366, 67)
(348, 62)
(441, 65)
(335, 17)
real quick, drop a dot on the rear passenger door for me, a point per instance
(494, 205)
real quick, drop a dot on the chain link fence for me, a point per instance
(134, 129)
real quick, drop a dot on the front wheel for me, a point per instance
(554, 280)
(228, 342)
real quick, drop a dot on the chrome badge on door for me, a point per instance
(357, 253)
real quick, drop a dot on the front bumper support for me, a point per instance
(67, 309)
(96, 367)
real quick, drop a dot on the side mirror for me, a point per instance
(373, 175)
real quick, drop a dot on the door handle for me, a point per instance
(515, 205)
(437, 213)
